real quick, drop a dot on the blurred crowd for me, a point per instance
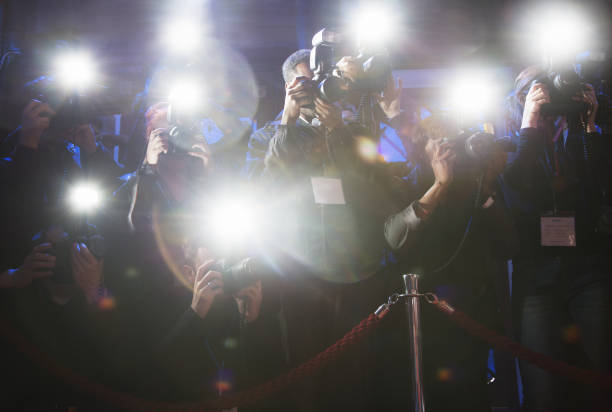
(134, 280)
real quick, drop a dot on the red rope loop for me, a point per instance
(503, 342)
(247, 397)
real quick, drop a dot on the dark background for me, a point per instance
(123, 34)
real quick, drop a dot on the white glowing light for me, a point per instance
(186, 95)
(84, 197)
(183, 35)
(75, 70)
(374, 25)
(473, 94)
(560, 33)
(233, 219)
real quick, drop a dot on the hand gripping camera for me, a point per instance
(331, 86)
(562, 83)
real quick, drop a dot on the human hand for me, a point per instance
(297, 94)
(537, 96)
(84, 137)
(87, 271)
(442, 161)
(590, 98)
(207, 286)
(35, 119)
(158, 144)
(329, 114)
(249, 301)
(203, 153)
(36, 265)
(390, 101)
(350, 68)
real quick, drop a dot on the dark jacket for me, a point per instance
(342, 242)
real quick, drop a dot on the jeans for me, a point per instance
(566, 308)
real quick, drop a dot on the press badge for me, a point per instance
(558, 230)
(327, 191)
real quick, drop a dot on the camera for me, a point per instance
(562, 83)
(331, 86)
(241, 274)
(476, 146)
(74, 107)
(61, 243)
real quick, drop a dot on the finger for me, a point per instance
(42, 108)
(44, 257)
(294, 83)
(199, 155)
(212, 275)
(305, 101)
(324, 104)
(446, 154)
(43, 265)
(75, 256)
(214, 284)
(301, 86)
(302, 94)
(188, 272)
(41, 274)
(87, 255)
(203, 269)
(203, 147)
(41, 247)
(31, 105)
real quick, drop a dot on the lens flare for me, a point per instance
(187, 95)
(373, 25)
(183, 35)
(367, 149)
(84, 197)
(473, 94)
(75, 70)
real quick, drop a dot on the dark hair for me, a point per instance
(515, 102)
(300, 56)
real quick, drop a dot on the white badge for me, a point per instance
(327, 191)
(558, 230)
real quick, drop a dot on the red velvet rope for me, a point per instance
(247, 397)
(549, 364)
(308, 368)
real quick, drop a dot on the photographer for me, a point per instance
(562, 274)
(49, 295)
(177, 312)
(328, 203)
(457, 234)
(226, 340)
(296, 71)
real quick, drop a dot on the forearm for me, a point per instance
(520, 172)
(285, 149)
(428, 203)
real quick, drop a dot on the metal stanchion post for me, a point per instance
(413, 310)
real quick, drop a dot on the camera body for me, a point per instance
(61, 243)
(562, 83)
(330, 84)
(473, 147)
(238, 276)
